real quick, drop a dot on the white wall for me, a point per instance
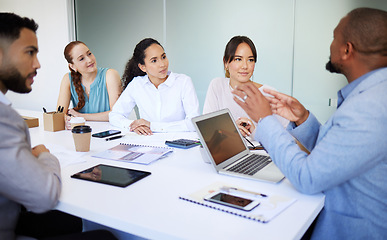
(53, 35)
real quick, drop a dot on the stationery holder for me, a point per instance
(53, 121)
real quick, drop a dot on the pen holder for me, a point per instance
(54, 121)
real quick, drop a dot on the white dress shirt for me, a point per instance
(4, 100)
(168, 108)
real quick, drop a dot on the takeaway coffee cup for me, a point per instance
(77, 121)
(82, 137)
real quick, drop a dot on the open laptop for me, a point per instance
(228, 152)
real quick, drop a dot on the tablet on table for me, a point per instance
(116, 176)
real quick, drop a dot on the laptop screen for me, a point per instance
(221, 136)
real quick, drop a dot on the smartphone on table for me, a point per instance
(245, 203)
(106, 133)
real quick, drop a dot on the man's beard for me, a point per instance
(13, 80)
(331, 67)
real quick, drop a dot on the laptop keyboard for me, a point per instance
(251, 164)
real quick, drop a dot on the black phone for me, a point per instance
(227, 199)
(106, 133)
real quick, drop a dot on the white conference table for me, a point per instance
(151, 207)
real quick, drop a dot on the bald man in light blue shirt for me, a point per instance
(348, 154)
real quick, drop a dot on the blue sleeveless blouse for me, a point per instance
(98, 100)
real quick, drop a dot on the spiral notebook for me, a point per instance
(134, 153)
(270, 207)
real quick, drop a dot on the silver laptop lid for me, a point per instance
(221, 137)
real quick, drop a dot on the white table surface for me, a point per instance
(151, 207)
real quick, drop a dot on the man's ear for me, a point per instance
(348, 51)
(142, 67)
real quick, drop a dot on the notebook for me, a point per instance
(270, 206)
(228, 153)
(134, 153)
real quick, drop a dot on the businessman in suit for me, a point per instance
(29, 177)
(348, 155)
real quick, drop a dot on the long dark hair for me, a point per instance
(76, 76)
(231, 47)
(131, 69)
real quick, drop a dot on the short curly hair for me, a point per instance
(366, 29)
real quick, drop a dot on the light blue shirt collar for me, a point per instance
(343, 93)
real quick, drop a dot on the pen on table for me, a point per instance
(249, 142)
(253, 147)
(115, 137)
(233, 189)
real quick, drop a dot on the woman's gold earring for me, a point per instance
(227, 73)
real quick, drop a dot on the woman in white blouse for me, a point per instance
(239, 61)
(166, 101)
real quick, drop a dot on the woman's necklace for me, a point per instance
(87, 86)
(87, 83)
(87, 90)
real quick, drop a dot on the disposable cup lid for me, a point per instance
(81, 129)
